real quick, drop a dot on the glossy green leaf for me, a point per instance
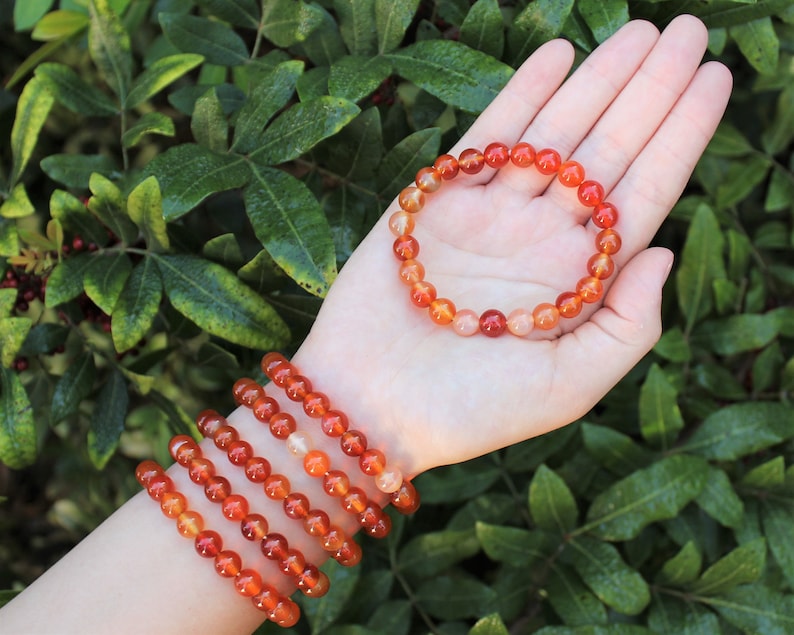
(354, 77)
(777, 136)
(357, 25)
(457, 482)
(105, 279)
(14, 330)
(392, 18)
(17, 428)
(759, 43)
(607, 575)
(729, 141)
(777, 517)
(8, 299)
(538, 23)
(324, 45)
(149, 123)
(136, 306)
(456, 74)
(718, 381)
(107, 419)
(271, 93)
(483, 28)
(73, 215)
(75, 93)
(683, 567)
(392, 617)
(160, 74)
(26, 14)
(741, 179)
(514, 545)
(614, 450)
(299, 129)
(654, 493)
(188, 174)
(719, 15)
(33, 108)
(216, 43)
(604, 17)
(768, 475)
(673, 346)
(430, 554)
(736, 333)
(109, 206)
(741, 429)
(660, 416)
(357, 150)
(757, 609)
(208, 124)
(572, 600)
(66, 280)
(59, 24)
(719, 499)
(9, 238)
(287, 22)
(551, 502)
(218, 302)
(145, 208)
(18, 204)
(612, 629)
(44, 338)
(401, 163)
(743, 565)
(110, 47)
(290, 224)
(72, 387)
(489, 625)
(455, 597)
(528, 455)
(244, 13)
(313, 84)
(701, 263)
(75, 170)
(671, 615)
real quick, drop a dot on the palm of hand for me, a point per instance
(513, 238)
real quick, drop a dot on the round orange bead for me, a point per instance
(411, 199)
(208, 543)
(274, 546)
(264, 408)
(159, 485)
(217, 488)
(293, 563)
(401, 223)
(355, 500)
(406, 499)
(447, 166)
(208, 421)
(189, 524)
(428, 180)
(547, 161)
(349, 554)
(605, 215)
(312, 582)
(372, 462)
(316, 463)
(296, 505)
(406, 247)
(520, 322)
(254, 527)
(173, 504)
(569, 304)
(471, 161)
(353, 443)
(608, 241)
(522, 154)
(600, 266)
(422, 294)
(334, 539)
(225, 436)
(235, 507)
(277, 486)
(466, 323)
(571, 174)
(285, 614)
(316, 404)
(246, 391)
(282, 424)
(493, 323)
(412, 271)
(267, 598)
(317, 523)
(496, 155)
(257, 469)
(442, 311)
(239, 452)
(201, 470)
(228, 563)
(590, 289)
(546, 316)
(297, 387)
(590, 193)
(334, 423)
(183, 448)
(146, 470)
(248, 583)
(336, 483)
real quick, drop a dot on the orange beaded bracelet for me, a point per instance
(520, 321)
(279, 609)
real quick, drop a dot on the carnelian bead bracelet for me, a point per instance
(208, 544)
(493, 322)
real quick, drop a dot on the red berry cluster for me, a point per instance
(384, 94)
(29, 287)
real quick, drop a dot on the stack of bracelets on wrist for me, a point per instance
(254, 527)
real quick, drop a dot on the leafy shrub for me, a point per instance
(183, 180)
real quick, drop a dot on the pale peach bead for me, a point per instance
(412, 271)
(401, 223)
(520, 322)
(389, 480)
(299, 443)
(466, 322)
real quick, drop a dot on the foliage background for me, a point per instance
(179, 182)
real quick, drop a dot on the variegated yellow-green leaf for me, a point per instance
(75, 93)
(33, 108)
(357, 25)
(150, 123)
(14, 330)
(109, 45)
(392, 19)
(208, 124)
(743, 565)
(160, 74)
(17, 205)
(109, 206)
(145, 207)
(287, 22)
(214, 41)
(74, 216)
(59, 24)
(66, 280)
(73, 386)
(17, 429)
(136, 306)
(105, 279)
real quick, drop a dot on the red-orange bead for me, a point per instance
(246, 391)
(257, 469)
(146, 470)
(471, 161)
(293, 563)
(183, 448)
(372, 462)
(334, 539)
(239, 452)
(496, 155)
(349, 554)
(546, 316)
(447, 166)
(217, 488)
(189, 524)
(442, 311)
(173, 504)
(334, 423)
(406, 247)
(282, 424)
(422, 294)
(274, 546)
(313, 582)
(411, 271)
(277, 486)
(228, 563)
(401, 222)
(428, 180)
(297, 387)
(355, 501)
(375, 521)
(267, 599)
(571, 174)
(547, 161)
(285, 614)
(605, 215)
(316, 463)
(411, 199)
(201, 470)
(159, 485)
(248, 583)
(336, 483)
(208, 421)
(264, 408)
(353, 443)
(208, 543)
(296, 505)
(316, 523)
(275, 364)
(316, 404)
(590, 193)
(235, 507)
(569, 304)
(224, 436)
(254, 527)
(406, 499)
(600, 266)
(608, 241)
(590, 289)
(522, 154)
(493, 323)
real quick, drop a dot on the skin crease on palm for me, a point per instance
(637, 114)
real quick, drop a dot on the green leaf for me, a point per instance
(551, 502)
(59, 25)
(757, 609)
(741, 179)
(109, 206)
(606, 574)
(701, 264)
(453, 598)
(357, 25)
(44, 338)
(290, 224)
(673, 346)
(655, 493)
(145, 207)
(457, 75)
(660, 417)
(604, 17)
(719, 500)
(73, 92)
(453, 483)
(759, 43)
(160, 74)
(107, 419)
(287, 22)
(430, 554)
(572, 600)
(244, 13)
(299, 129)
(149, 123)
(671, 615)
(743, 565)
(515, 546)
(75, 170)
(354, 77)
(208, 123)
(33, 108)
(188, 174)
(215, 42)
(73, 386)
(538, 23)
(392, 19)
(324, 611)
(17, 428)
(9, 238)
(18, 204)
(8, 299)
(489, 625)
(402, 162)
(267, 96)
(683, 567)
(614, 450)
(741, 429)
(105, 279)
(110, 48)
(483, 28)
(778, 135)
(14, 330)
(736, 333)
(324, 45)
(218, 302)
(768, 475)
(777, 518)
(66, 280)
(26, 14)
(74, 215)
(729, 141)
(612, 629)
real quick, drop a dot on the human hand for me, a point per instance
(637, 115)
